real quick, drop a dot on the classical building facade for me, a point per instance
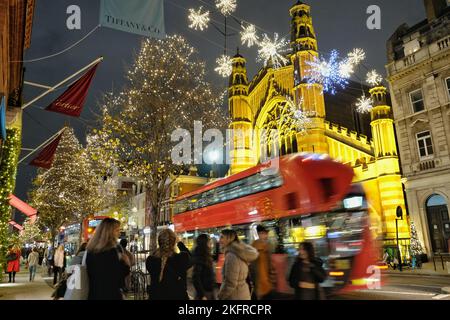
(419, 76)
(270, 100)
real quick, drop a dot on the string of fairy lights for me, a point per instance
(333, 72)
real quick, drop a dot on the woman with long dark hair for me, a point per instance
(106, 266)
(203, 275)
(168, 269)
(235, 270)
(307, 273)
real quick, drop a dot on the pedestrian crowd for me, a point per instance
(105, 268)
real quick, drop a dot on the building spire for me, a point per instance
(303, 36)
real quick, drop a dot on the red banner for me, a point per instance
(71, 102)
(23, 207)
(47, 155)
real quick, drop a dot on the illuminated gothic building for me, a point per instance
(366, 143)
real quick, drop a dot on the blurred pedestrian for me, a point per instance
(307, 273)
(78, 259)
(126, 286)
(48, 256)
(168, 269)
(13, 262)
(33, 262)
(262, 270)
(235, 272)
(59, 263)
(203, 277)
(106, 266)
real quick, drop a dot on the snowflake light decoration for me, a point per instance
(346, 69)
(199, 20)
(373, 78)
(364, 104)
(327, 72)
(271, 51)
(356, 56)
(249, 36)
(224, 66)
(226, 7)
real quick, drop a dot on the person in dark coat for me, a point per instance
(306, 274)
(106, 266)
(168, 270)
(203, 277)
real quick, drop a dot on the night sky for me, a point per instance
(339, 25)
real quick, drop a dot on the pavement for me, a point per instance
(426, 269)
(23, 289)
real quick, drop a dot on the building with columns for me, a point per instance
(269, 101)
(419, 77)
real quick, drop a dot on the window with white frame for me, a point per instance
(447, 82)
(417, 100)
(425, 144)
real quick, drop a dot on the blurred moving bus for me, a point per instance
(308, 198)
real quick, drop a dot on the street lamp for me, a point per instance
(399, 216)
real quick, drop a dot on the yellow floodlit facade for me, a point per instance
(256, 107)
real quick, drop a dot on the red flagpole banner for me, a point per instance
(47, 155)
(71, 102)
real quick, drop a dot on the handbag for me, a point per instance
(11, 257)
(78, 282)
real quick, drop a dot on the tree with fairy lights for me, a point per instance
(10, 150)
(31, 232)
(166, 90)
(416, 246)
(69, 191)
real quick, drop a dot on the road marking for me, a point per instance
(399, 292)
(441, 296)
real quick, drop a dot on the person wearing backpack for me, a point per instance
(13, 262)
(168, 269)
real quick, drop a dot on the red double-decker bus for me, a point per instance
(306, 198)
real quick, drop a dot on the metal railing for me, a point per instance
(440, 256)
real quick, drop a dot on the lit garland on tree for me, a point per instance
(166, 90)
(416, 246)
(69, 191)
(31, 232)
(10, 151)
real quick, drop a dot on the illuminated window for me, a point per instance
(425, 144)
(417, 100)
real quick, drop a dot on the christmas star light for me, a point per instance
(299, 117)
(327, 72)
(224, 66)
(226, 7)
(271, 51)
(373, 78)
(364, 104)
(356, 56)
(346, 69)
(249, 36)
(199, 20)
